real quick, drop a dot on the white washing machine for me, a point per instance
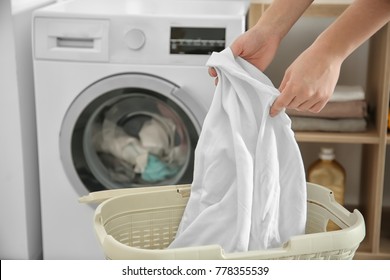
(121, 93)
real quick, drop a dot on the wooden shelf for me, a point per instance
(385, 231)
(369, 137)
(371, 256)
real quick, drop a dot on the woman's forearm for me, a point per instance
(282, 15)
(358, 22)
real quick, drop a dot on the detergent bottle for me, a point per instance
(327, 172)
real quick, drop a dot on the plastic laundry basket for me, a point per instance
(140, 223)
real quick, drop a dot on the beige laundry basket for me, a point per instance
(140, 223)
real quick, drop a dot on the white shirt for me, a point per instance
(249, 187)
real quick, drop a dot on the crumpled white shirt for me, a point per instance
(249, 187)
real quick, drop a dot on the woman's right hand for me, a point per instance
(257, 46)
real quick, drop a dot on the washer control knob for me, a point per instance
(135, 39)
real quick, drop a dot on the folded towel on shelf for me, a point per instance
(328, 125)
(336, 110)
(249, 190)
(347, 93)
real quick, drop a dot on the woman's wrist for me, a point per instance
(280, 16)
(333, 49)
(268, 32)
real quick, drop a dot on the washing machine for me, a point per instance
(121, 94)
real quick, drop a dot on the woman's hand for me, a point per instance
(309, 82)
(257, 46)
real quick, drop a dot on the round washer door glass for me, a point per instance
(129, 137)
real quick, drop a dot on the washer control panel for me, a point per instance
(137, 32)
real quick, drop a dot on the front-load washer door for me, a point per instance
(128, 131)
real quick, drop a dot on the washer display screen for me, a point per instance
(197, 40)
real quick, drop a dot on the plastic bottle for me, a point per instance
(327, 172)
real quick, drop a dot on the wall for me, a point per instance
(13, 213)
(20, 231)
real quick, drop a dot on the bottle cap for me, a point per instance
(327, 154)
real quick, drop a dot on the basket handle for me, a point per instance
(99, 228)
(100, 196)
(324, 197)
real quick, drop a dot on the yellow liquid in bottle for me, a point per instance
(327, 172)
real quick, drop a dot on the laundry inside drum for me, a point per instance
(137, 140)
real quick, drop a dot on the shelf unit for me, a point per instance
(375, 140)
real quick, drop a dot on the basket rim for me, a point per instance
(347, 238)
